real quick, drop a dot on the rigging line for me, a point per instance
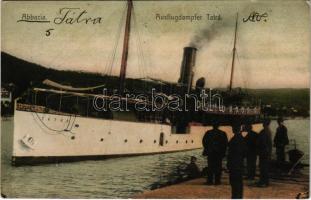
(239, 72)
(142, 56)
(139, 51)
(149, 68)
(244, 75)
(138, 54)
(117, 39)
(142, 63)
(140, 73)
(106, 68)
(232, 57)
(111, 59)
(145, 68)
(225, 70)
(141, 46)
(222, 82)
(147, 60)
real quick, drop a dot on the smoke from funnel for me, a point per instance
(205, 35)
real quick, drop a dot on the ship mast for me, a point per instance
(125, 46)
(233, 55)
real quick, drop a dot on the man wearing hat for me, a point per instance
(280, 140)
(251, 155)
(236, 153)
(215, 145)
(264, 148)
(192, 169)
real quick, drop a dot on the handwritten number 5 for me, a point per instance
(48, 32)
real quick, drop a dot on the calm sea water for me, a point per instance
(111, 178)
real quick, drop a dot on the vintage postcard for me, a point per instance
(155, 99)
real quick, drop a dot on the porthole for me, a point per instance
(176, 141)
(166, 141)
(76, 125)
(154, 141)
(73, 137)
(191, 141)
(101, 139)
(125, 140)
(186, 141)
(140, 141)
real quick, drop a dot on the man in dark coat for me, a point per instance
(264, 149)
(236, 153)
(251, 155)
(192, 169)
(215, 145)
(280, 141)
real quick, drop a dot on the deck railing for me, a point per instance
(36, 108)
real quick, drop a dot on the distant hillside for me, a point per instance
(24, 74)
(283, 96)
(284, 101)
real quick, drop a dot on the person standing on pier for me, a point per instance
(280, 141)
(264, 149)
(251, 155)
(215, 145)
(236, 152)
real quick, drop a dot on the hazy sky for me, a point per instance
(270, 54)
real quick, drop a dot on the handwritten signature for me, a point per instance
(256, 17)
(67, 16)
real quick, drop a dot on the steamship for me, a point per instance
(59, 123)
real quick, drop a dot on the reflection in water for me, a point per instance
(111, 178)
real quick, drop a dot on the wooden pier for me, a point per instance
(287, 187)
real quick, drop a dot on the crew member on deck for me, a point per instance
(264, 148)
(236, 153)
(215, 145)
(280, 141)
(251, 155)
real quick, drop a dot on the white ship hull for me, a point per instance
(41, 137)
